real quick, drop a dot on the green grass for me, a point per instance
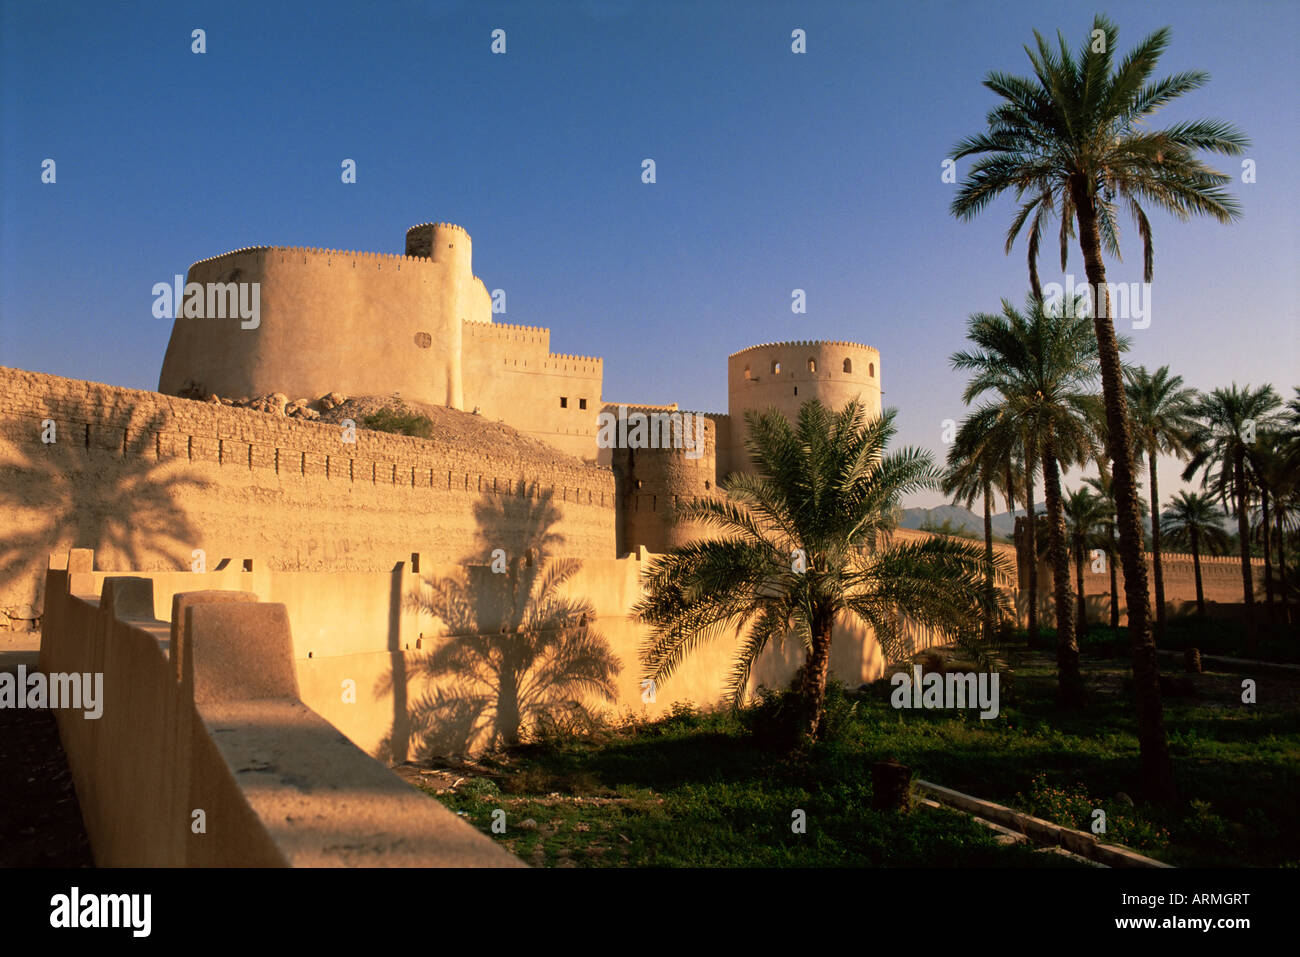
(712, 789)
(694, 791)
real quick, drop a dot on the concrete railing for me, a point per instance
(203, 753)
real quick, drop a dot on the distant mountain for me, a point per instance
(960, 518)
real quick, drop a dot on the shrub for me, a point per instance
(400, 423)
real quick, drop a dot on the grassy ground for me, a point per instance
(713, 790)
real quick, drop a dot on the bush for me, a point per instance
(1072, 807)
(400, 423)
(774, 719)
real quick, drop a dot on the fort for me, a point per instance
(318, 558)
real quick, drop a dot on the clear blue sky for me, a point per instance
(775, 171)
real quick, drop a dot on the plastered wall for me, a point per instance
(512, 376)
(331, 320)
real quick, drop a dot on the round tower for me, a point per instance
(652, 482)
(785, 375)
(444, 243)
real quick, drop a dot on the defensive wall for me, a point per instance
(203, 753)
(146, 479)
(1220, 583)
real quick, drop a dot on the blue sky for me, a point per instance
(775, 171)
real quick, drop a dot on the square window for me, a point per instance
(564, 402)
(582, 403)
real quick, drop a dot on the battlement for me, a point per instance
(496, 329)
(314, 252)
(804, 343)
(437, 226)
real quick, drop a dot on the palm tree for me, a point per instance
(1160, 413)
(1194, 519)
(1041, 367)
(976, 464)
(1103, 487)
(1084, 512)
(1270, 472)
(1228, 421)
(805, 540)
(1072, 140)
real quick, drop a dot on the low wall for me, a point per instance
(205, 755)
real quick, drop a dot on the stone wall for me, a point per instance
(145, 479)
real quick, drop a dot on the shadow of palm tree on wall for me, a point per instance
(518, 653)
(63, 495)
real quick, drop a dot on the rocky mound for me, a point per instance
(447, 426)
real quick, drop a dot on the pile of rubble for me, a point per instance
(277, 403)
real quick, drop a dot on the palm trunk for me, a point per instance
(1266, 530)
(988, 557)
(815, 672)
(1069, 679)
(1196, 569)
(1078, 581)
(1157, 767)
(1281, 565)
(1032, 545)
(1114, 578)
(1243, 534)
(1157, 571)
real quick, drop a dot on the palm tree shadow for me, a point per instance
(517, 652)
(125, 507)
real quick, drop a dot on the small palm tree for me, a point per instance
(1228, 421)
(1084, 514)
(1193, 519)
(806, 539)
(975, 463)
(1103, 488)
(1041, 366)
(1069, 142)
(1160, 410)
(1273, 479)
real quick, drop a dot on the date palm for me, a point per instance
(1227, 423)
(1102, 487)
(977, 462)
(1274, 480)
(806, 540)
(1160, 412)
(1072, 142)
(1085, 512)
(1193, 520)
(1040, 368)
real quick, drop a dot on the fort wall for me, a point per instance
(145, 479)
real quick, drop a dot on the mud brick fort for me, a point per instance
(232, 561)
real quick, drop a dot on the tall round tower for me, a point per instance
(785, 375)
